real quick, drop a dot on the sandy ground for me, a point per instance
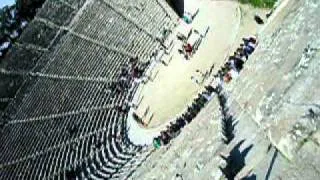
(172, 88)
(247, 24)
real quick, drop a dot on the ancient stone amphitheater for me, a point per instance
(61, 119)
(49, 90)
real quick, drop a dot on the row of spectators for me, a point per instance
(130, 72)
(130, 75)
(231, 68)
(234, 64)
(175, 127)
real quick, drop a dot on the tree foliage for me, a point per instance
(260, 3)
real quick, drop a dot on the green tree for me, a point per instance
(260, 3)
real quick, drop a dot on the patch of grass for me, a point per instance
(260, 3)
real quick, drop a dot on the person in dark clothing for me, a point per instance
(188, 49)
(123, 72)
(258, 19)
(133, 60)
(248, 50)
(238, 63)
(250, 39)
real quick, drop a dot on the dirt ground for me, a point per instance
(172, 89)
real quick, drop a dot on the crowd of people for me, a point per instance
(11, 27)
(131, 72)
(174, 128)
(230, 70)
(234, 64)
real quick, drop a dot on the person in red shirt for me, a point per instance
(188, 48)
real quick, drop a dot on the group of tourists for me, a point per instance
(230, 69)
(130, 72)
(234, 64)
(174, 128)
(11, 27)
